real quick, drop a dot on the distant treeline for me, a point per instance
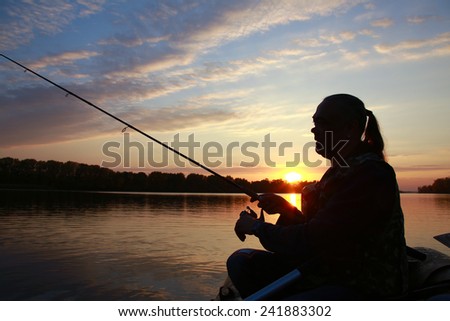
(441, 185)
(30, 173)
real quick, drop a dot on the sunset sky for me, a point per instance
(229, 75)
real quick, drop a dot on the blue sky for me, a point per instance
(225, 71)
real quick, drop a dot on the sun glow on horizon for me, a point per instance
(293, 177)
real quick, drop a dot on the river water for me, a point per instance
(138, 246)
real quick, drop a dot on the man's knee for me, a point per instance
(239, 258)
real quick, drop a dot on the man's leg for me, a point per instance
(250, 270)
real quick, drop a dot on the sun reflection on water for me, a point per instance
(294, 199)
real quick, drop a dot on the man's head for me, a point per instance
(340, 123)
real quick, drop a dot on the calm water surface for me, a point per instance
(133, 246)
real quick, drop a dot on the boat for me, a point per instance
(429, 278)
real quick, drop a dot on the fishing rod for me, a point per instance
(252, 194)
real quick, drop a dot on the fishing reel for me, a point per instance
(252, 213)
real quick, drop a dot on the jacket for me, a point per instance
(352, 228)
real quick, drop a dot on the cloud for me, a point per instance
(368, 32)
(186, 31)
(287, 52)
(416, 20)
(63, 58)
(382, 23)
(326, 39)
(355, 58)
(310, 42)
(40, 115)
(126, 92)
(226, 21)
(51, 117)
(418, 49)
(147, 65)
(233, 70)
(225, 97)
(176, 118)
(123, 89)
(171, 81)
(442, 39)
(286, 57)
(168, 37)
(131, 41)
(23, 20)
(338, 38)
(324, 45)
(90, 7)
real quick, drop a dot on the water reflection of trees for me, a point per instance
(30, 173)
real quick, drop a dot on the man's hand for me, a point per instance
(273, 204)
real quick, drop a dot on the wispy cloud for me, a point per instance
(418, 49)
(146, 65)
(326, 38)
(191, 29)
(132, 41)
(236, 19)
(63, 58)
(90, 7)
(23, 20)
(355, 58)
(175, 118)
(382, 23)
(422, 19)
(221, 97)
(368, 32)
(442, 39)
(338, 38)
(233, 70)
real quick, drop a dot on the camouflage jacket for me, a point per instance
(352, 225)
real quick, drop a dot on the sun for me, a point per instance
(292, 177)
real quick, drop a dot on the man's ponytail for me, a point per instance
(372, 135)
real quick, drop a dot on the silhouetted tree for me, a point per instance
(441, 186)
(76, 176)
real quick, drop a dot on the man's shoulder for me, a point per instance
(376, 172)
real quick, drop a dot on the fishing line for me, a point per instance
(247, 191)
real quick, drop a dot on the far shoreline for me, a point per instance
(34, 188)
